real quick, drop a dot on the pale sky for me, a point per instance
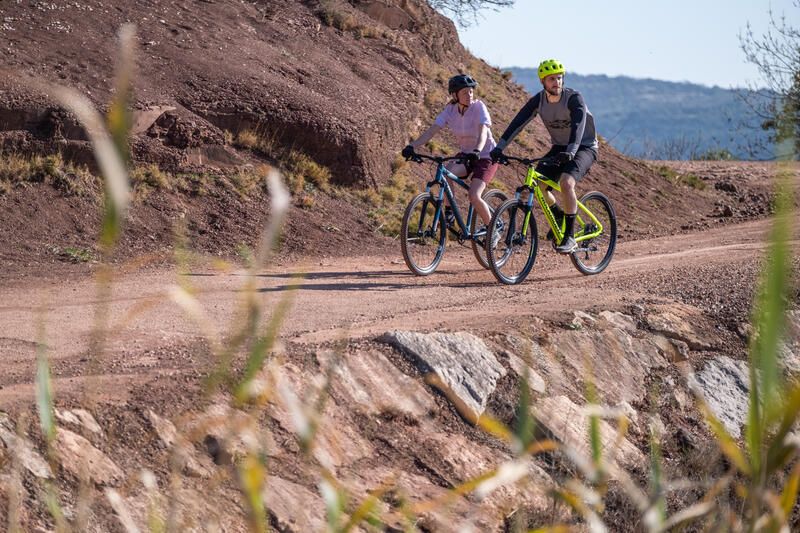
(673, 40)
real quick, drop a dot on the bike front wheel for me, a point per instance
(494, 198)
(594, 254)
(422, 243)
(511, 257)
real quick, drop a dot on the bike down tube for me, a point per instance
(449, 192)
(548, 213)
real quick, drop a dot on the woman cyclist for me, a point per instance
(470, 122)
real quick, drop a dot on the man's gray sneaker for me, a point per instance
(568, 245)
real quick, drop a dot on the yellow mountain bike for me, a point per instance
(511, 256)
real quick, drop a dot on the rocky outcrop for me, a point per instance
(461, 360)
(295, 508)
(675, 322)
(20, 449)
(725, 386)
(84, 461)
(375, 385)
(569, 424)
(367, 419)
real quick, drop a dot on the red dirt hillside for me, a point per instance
(346, 84)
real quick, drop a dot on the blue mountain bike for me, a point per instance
(423, 234)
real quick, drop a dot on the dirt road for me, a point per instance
(152, 339)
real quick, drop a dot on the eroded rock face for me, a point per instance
(338, 441)
(78, 456)
(461, 360)
(184, 452)
(725, 385)
(80, 418)
(294, 507)
(617, 362)
(676, 322)
(293, 75)
(568, 424)
(24, 451)
(376, 385)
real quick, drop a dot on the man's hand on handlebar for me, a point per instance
(497, 156)
(562, 158)
(408, 152)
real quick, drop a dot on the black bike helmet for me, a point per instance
(459, 81)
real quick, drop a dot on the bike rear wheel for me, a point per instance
(512, 257)
(494, 198)
(597, 251)
(422, 244)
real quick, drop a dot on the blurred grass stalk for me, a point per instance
(763, 483)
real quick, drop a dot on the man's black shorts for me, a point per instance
(576, 168)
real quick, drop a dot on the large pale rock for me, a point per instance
(617, 363)
(614, 319)
(676, 323)
(80, 418)
(294, 507)
(456, 459)
(23, 449)
(461, 360)
(725, 385)
(568, 424)
(370, 380)
(535, 381)
(78, 456)
(545, 369)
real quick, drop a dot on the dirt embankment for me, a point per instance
(346, 83)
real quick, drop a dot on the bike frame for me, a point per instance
(442, 175)
(532, 181)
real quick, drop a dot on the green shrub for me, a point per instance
(674, 177)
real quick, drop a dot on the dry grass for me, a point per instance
(389, 201)
(18, 170)
(299, 169)
(332, 15)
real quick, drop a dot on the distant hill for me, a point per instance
(661, 119)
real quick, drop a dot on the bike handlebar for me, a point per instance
(503, 160)
(506, 160)
(418, 158)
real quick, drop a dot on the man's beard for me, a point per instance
(554, 92)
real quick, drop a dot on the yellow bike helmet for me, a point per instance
(550, 66)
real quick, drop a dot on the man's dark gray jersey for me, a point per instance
(568, 121)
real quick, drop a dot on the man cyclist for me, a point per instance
(571, 128)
